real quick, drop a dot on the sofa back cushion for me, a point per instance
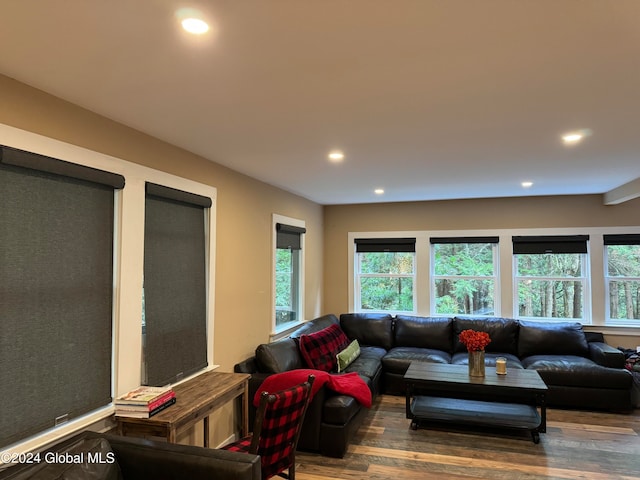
(423, 332)
(502, 331)
(552, 338)
(319, 349)
(371, 329)
(279, 356)
(314, 325)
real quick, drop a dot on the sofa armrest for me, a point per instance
(606, 355)
(247, 366)
(139, 458)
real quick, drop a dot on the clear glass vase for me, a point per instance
(476, 363)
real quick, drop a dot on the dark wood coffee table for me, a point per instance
(446, 393)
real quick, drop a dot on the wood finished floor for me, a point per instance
(577, 445)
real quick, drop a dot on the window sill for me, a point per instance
(284, 330)
(625, 330)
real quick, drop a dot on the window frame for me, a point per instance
(494, 241)
(359, 276)
(556, 246)
(300, 275)
(609, 240)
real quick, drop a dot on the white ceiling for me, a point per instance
(429, 99)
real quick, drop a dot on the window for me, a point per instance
(56, 252)
(385, 274)
(622, 276)
(551, 276)
(175, 279)
(288, 284)
(464, 278)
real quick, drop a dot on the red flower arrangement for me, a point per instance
(474, 341)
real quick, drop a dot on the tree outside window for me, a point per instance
(385, 274)
(622, 260)
(287, 291)
(464, 275)
(550, 286)
(550, 276)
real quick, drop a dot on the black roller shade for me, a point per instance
(175, 288)
(161, 191)
(385, 245)
(449, 240)
(622, 239)
(56, 298)
(288, 236)
(42, 163)
(550, 244)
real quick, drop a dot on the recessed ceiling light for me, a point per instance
(526, 184)
(195, 26)
(336, 156)
(379, 191)
(571, 138)
(192, 21)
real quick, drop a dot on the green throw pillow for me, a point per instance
(348, 355)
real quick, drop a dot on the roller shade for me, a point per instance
(56, 291)
(169, 193)
(622, 239)
(450, 240)
(42, 163)
(385, 245)
(288, 236)
(174, 284)
(550, 244)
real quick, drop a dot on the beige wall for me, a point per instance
(515, 213)
(244, 214)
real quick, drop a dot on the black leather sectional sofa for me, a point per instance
(578, 367)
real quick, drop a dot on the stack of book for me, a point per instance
(144, 402)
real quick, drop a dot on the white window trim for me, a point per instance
(585, 277)
(128, 266)
(595, 303)
(495, 277)
(615, 321)
(357, 292)
(276, 330)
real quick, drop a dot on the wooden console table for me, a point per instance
(196, 399)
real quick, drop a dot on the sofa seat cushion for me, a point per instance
(339, 409)
(368, 363)
(576, 371)
(462, 358)
(398, 359)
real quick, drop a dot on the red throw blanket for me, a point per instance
(346, 383)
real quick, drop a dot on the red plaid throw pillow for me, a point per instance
(319, 349)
